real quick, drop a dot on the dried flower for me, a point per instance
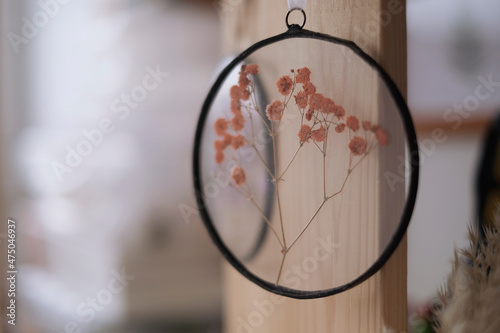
(219, 157)
(303, 75)
(304, 133)
(235, 106)
(357, 146)
(238, 141)
(221, 126)
(366, 125)
(235, 92)
(339, 112)
(275, 110)
(469, 300)
(319, 135)
(353, 123)
(309, 88)
(244, 81)
(238, 92)
(381, 137)
(244, 94)
(228, 138)
(322, 113)
(220, 145)
(252, 69)
(328, 106)
(316, 101)
(340, 128)
(301, 99)
(309, 114)
(285, 85)
(238, 122)
(239, 176)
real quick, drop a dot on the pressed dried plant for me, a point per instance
(320, 119)
(470, 300)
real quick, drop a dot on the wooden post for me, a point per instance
(379, 28)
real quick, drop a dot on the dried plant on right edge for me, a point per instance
(471, 298)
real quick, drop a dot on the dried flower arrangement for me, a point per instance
(320, 119)
(471, 298)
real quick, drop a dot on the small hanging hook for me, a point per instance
(292, 25)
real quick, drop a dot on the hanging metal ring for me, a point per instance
(295, 25)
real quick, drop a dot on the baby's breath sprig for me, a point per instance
(318, 114)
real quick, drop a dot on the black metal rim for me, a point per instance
(295, 31)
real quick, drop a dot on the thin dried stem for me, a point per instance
(252, 200)
(324, 167)
(281, 268)
(249, 197)
(263, 162)
(276, 184)
(290, 163)
(319, 148)
(307, 225)
(253, 101)
(349, 172)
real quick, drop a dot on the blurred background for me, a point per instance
(99, 102)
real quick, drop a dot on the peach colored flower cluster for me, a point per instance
(318, 113)
(321, 112)
(274, 111)
(239, 176)
(239, 93)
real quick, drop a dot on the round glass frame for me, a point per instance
(296, 31)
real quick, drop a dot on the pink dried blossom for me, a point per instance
(316, 101)
(228, 138)
(239, 176)
(303, 75)
(252, 69)
(244, 94)
(238, 92)
(309, 114)
(235, 106)
(381, 137)
(301, 99)
(309, 88)
(357, 146)
(366, 125)
(339, 112)
(340, 128)
(235, 92)
(319, 135)
(244, 81)
(238, 122)
(285, 85)
(238, 141)
(221, 126)
(219, 157)
(328, 106)
(220, 145)
(274, 111)
(304, 133)
(353, 123)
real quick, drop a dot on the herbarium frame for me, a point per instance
(296, 31)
